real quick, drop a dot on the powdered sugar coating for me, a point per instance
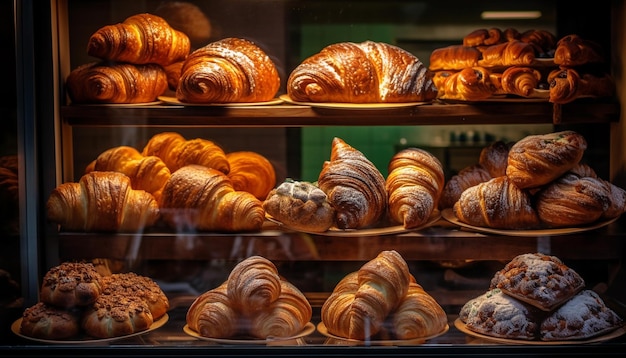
(539, 279)
(584, 316)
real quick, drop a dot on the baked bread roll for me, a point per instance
(584, 316)
(357, 310)
(116, 315)
(70, 285)
(367, 72)
(212, 314)
(117, 83)
(414, 184)
(454, 57)
(497, 203)
(147, 173)
(536, 160)
(499, 315)
(354, 186)
(284, 317)
(201, 198)
(521, 81)
(102, 201)
(468, 84)
(567, 85)
(177, 152)
(49, 322)
(131, 284)
(572, 51)
(484, 37)
(458, 183)
(251, 172)
(540, 280)
(301, 206)
(418, 315)
(140, 39)
(571, 201)
(510, 53)
(230, 70)
(494, 158)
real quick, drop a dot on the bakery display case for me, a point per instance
(64, 139)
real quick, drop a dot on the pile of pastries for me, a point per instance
(76, 301)
(491, 63)
(537, 297)
(537, 182)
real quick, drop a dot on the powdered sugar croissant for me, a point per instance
(367, 72)
(230, 70)
(140, 39)
(354, 186)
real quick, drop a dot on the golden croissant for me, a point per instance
(147, 173)
(567, 84)
(520, 80)
(497, 203)
(140, 39)
(510, 53)
(202, 198)
(360, 303)
(484, 37)
(572, 50)
(253, 284)
(251, 172)
(117, 83)
(414, 185)
(418, 315)
(454, 57)
(458, 183)
(284, 317)
(367, 72)
(230, 70)
(177, 151)
(212, 314)
(102, 201)
(354, 186)
(468, 84)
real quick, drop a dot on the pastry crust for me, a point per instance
(71, 285)
(116, 315)
(49, 322)
(131, 284)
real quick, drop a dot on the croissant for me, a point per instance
(188, 18)
(511, 53)
(140, 39)
(177, 152)
(362, 300)
(536, 160)
(251, 172)
(367, 72)
(468, 84)
(520, 81)
(103, 82)
(453, 57)
(414, 185)
(253, 284)
(102, 201)
(483, 37)
(572, 50)
(494, 157)
(568, 84)
(464, 179)
(172, 72)
(212, 314)
(543, 42)
(146, 173)
(354, 186)
(571, 201)
(203, 198)
(284, 317)
(497, 203)
(418, 315)
(231, 70)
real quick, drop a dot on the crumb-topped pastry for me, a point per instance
(300, 205)
(541, 280)
(49, 322)
(71, 284)
(116, 315)
(584, 316)
(131, 284)
(499, 315)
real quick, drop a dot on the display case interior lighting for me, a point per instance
(510, 15)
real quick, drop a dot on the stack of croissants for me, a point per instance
(380, 300)
(531, 64)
